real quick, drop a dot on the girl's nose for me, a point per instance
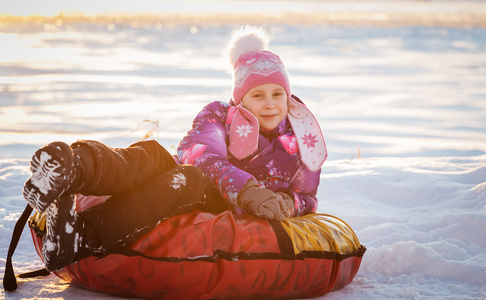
(270, 103)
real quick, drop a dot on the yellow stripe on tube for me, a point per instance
(321, 232)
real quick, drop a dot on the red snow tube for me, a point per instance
(206, 256)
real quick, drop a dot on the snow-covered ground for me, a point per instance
(403, 109)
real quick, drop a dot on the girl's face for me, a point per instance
(268, 103)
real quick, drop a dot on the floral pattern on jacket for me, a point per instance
(276, 164)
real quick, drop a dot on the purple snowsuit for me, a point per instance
(276, 164)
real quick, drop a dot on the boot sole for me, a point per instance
(51, 167)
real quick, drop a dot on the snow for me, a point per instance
(402, 108)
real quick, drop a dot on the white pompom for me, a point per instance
(244, 40)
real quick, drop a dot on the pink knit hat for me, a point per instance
(254, 65)
(257, 68)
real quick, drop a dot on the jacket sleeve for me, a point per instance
(205, 146)
(304, 190)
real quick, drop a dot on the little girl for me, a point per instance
(260, 154)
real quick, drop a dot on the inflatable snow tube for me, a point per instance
(201, 255)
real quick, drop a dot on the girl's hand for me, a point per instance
(288, 202)
(264, 203)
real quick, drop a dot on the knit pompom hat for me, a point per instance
(253, 65)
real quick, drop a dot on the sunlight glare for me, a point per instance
(19, 46)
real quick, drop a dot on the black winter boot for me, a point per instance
(69, 238)
(52, 172)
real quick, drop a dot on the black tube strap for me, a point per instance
(9, 281)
